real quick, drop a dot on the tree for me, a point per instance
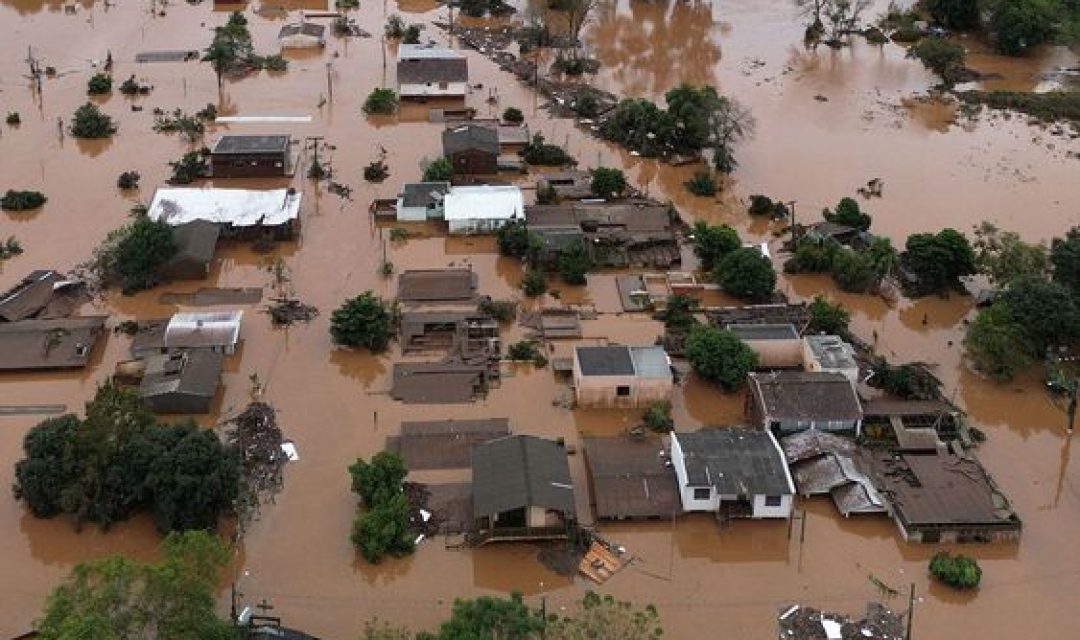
(826, 317)
(379, 480)
(842, 17)
(395, 27)
(1003, 257)
(116, 597)
(513, 115)
(678, 313)
(997, 345)
(848, 214)
(745, 273)
(1046, 310)
(1065, 257)
(605, 617)
(943, 57)
(937, 261)
(712, 243)
(439, 170)
(702, 184)
(703, 118)
(853, 271)
(1019, 25)
(89, 122)
(381, 102)
(99, 83)
(960, 15)
(957, 571)
(489, 617)
(577, 14)
(607, 182)
(658, 416)
(22, 200)
(533, 283)
(364, 321)
(383, 530)
(574, 263)
(230, 46)
(146, 246)
(49, 466)
(192, 166)
(719, 356)
(538, 152)
(517, 241)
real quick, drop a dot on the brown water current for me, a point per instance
(334, 404)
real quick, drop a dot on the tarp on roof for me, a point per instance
(236, 207)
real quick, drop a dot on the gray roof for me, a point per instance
(49, 344)
(735, 460)
(43, 294)
(423, 71)
(243, 144)
(792, 395)
(195, 241)
(469, 137)
(831, 352)
(605, 361)
(764, 331)
(195, 373)
(650, 362)
(423, 194)
(521, 471)
(306, 28)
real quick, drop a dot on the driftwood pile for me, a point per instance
(256, 435)
(286, 311)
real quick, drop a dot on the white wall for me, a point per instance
(410, 214)
(476, 225)
(687, 492)
(783, 511)
(432, 89)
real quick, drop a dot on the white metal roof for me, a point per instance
(203, 329)
(426, 52)
(484, 203)
(238, 207)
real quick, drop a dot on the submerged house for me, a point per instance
(621, 377)
(472, 149)
(776, 345)
(420, 201)
(482, 209)
(60, 343)
(791, 401)
(211, 330)
(43, 294)
(181, 382)
(521, 490)
(251, 156)
(426, 70)
(735, 472)
(247, 213)
(302, 35)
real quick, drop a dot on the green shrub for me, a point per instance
(383, 530)
(960, 571)
(189, 168)
(702, 184)
(826, 317)
(128, 180)
(745, 273)
(533, 283)
(22, 200)
(719, 356)
(574, 263)
(13, 118)
(439, 170)
(526, 351)
(412, 34)
(538, 152)
(943, 57)
(658, 416)
(586, 106)
(381, 102)
(607, 182)
(712, 243)
(364, 321)
(89, 122)
(513, 115)
(99, 83)
(502, 310)
(395, 27)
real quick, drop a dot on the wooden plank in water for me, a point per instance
(31, 409)
(167, 56)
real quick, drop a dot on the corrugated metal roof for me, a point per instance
(205, 329)
(241, 144)
(790, 395)
(605, 361)
(651, 362)
(486, 202)
(521, 471)
(423, 194)
(237, 207)
(195, 373)
(735, 460)
(470, 136)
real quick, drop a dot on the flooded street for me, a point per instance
(334, 403)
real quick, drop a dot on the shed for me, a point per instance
(302, 35)
(426, 70)
(621, 377)
(62, 343)
(830, 354)
(733, 471)
(776, 345)
(238, 212)
(251, 156)
(472, 149)
(420, 201)
(181, 382)
(792, 401)
(196, 242)
(521, 489)
(482, 209)
(214, 330)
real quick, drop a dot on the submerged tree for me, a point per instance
(230, 47)
(90, 122)
(719, 356)
(364, 321)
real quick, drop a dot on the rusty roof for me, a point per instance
(49, 344)
(806, 396)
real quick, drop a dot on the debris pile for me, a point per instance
(286, 311)
(806, 623)
(256, 435)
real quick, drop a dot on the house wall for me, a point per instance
(411, 214)
(173, 403)
(472, 161)
(786, 427)
(777, 353)
(186, 269)
(433, 89)
(686, 493)
(763, 511)
(601, 391)
(300, 41)
(476, 226)
(248, 165)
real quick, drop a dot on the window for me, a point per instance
(622, 391)
(773, 501)
(702, 493)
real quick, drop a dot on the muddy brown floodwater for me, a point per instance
(827, 121)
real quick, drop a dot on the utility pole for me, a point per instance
(330, 81)
(1071, 410)
(794, 239)
(910, 612)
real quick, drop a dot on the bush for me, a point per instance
(376, 171)
(678, 313)
(395, 27)
(745, 273)
(364, 321)
(574, 263)
(546, 194)
(515, 240)
(526, 351)
(189, 168)
(10, 248)
(848, 214)
(712, 243)
(538, 152)
(89, 122)
(22, 200)
(719, 356)
(502, 310)
(658, 417)
(853, 271)
(702, 184)
(412, 34)
(380, 480)
(131, 87)
(383, 530)
(943, 57)
(13, 118)
(533, 283)
(937, 261)
(811, 256)
(98, 84)
(513, 115)
(439, 170)
(586, 106)
(960, 571)
(912, 381)
(765, 206)
(271, 63)
(381, 102)
(607, 182)
(568, 66)
(826, 317)
(146, 246)
(128, 180)
(1019, 25)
